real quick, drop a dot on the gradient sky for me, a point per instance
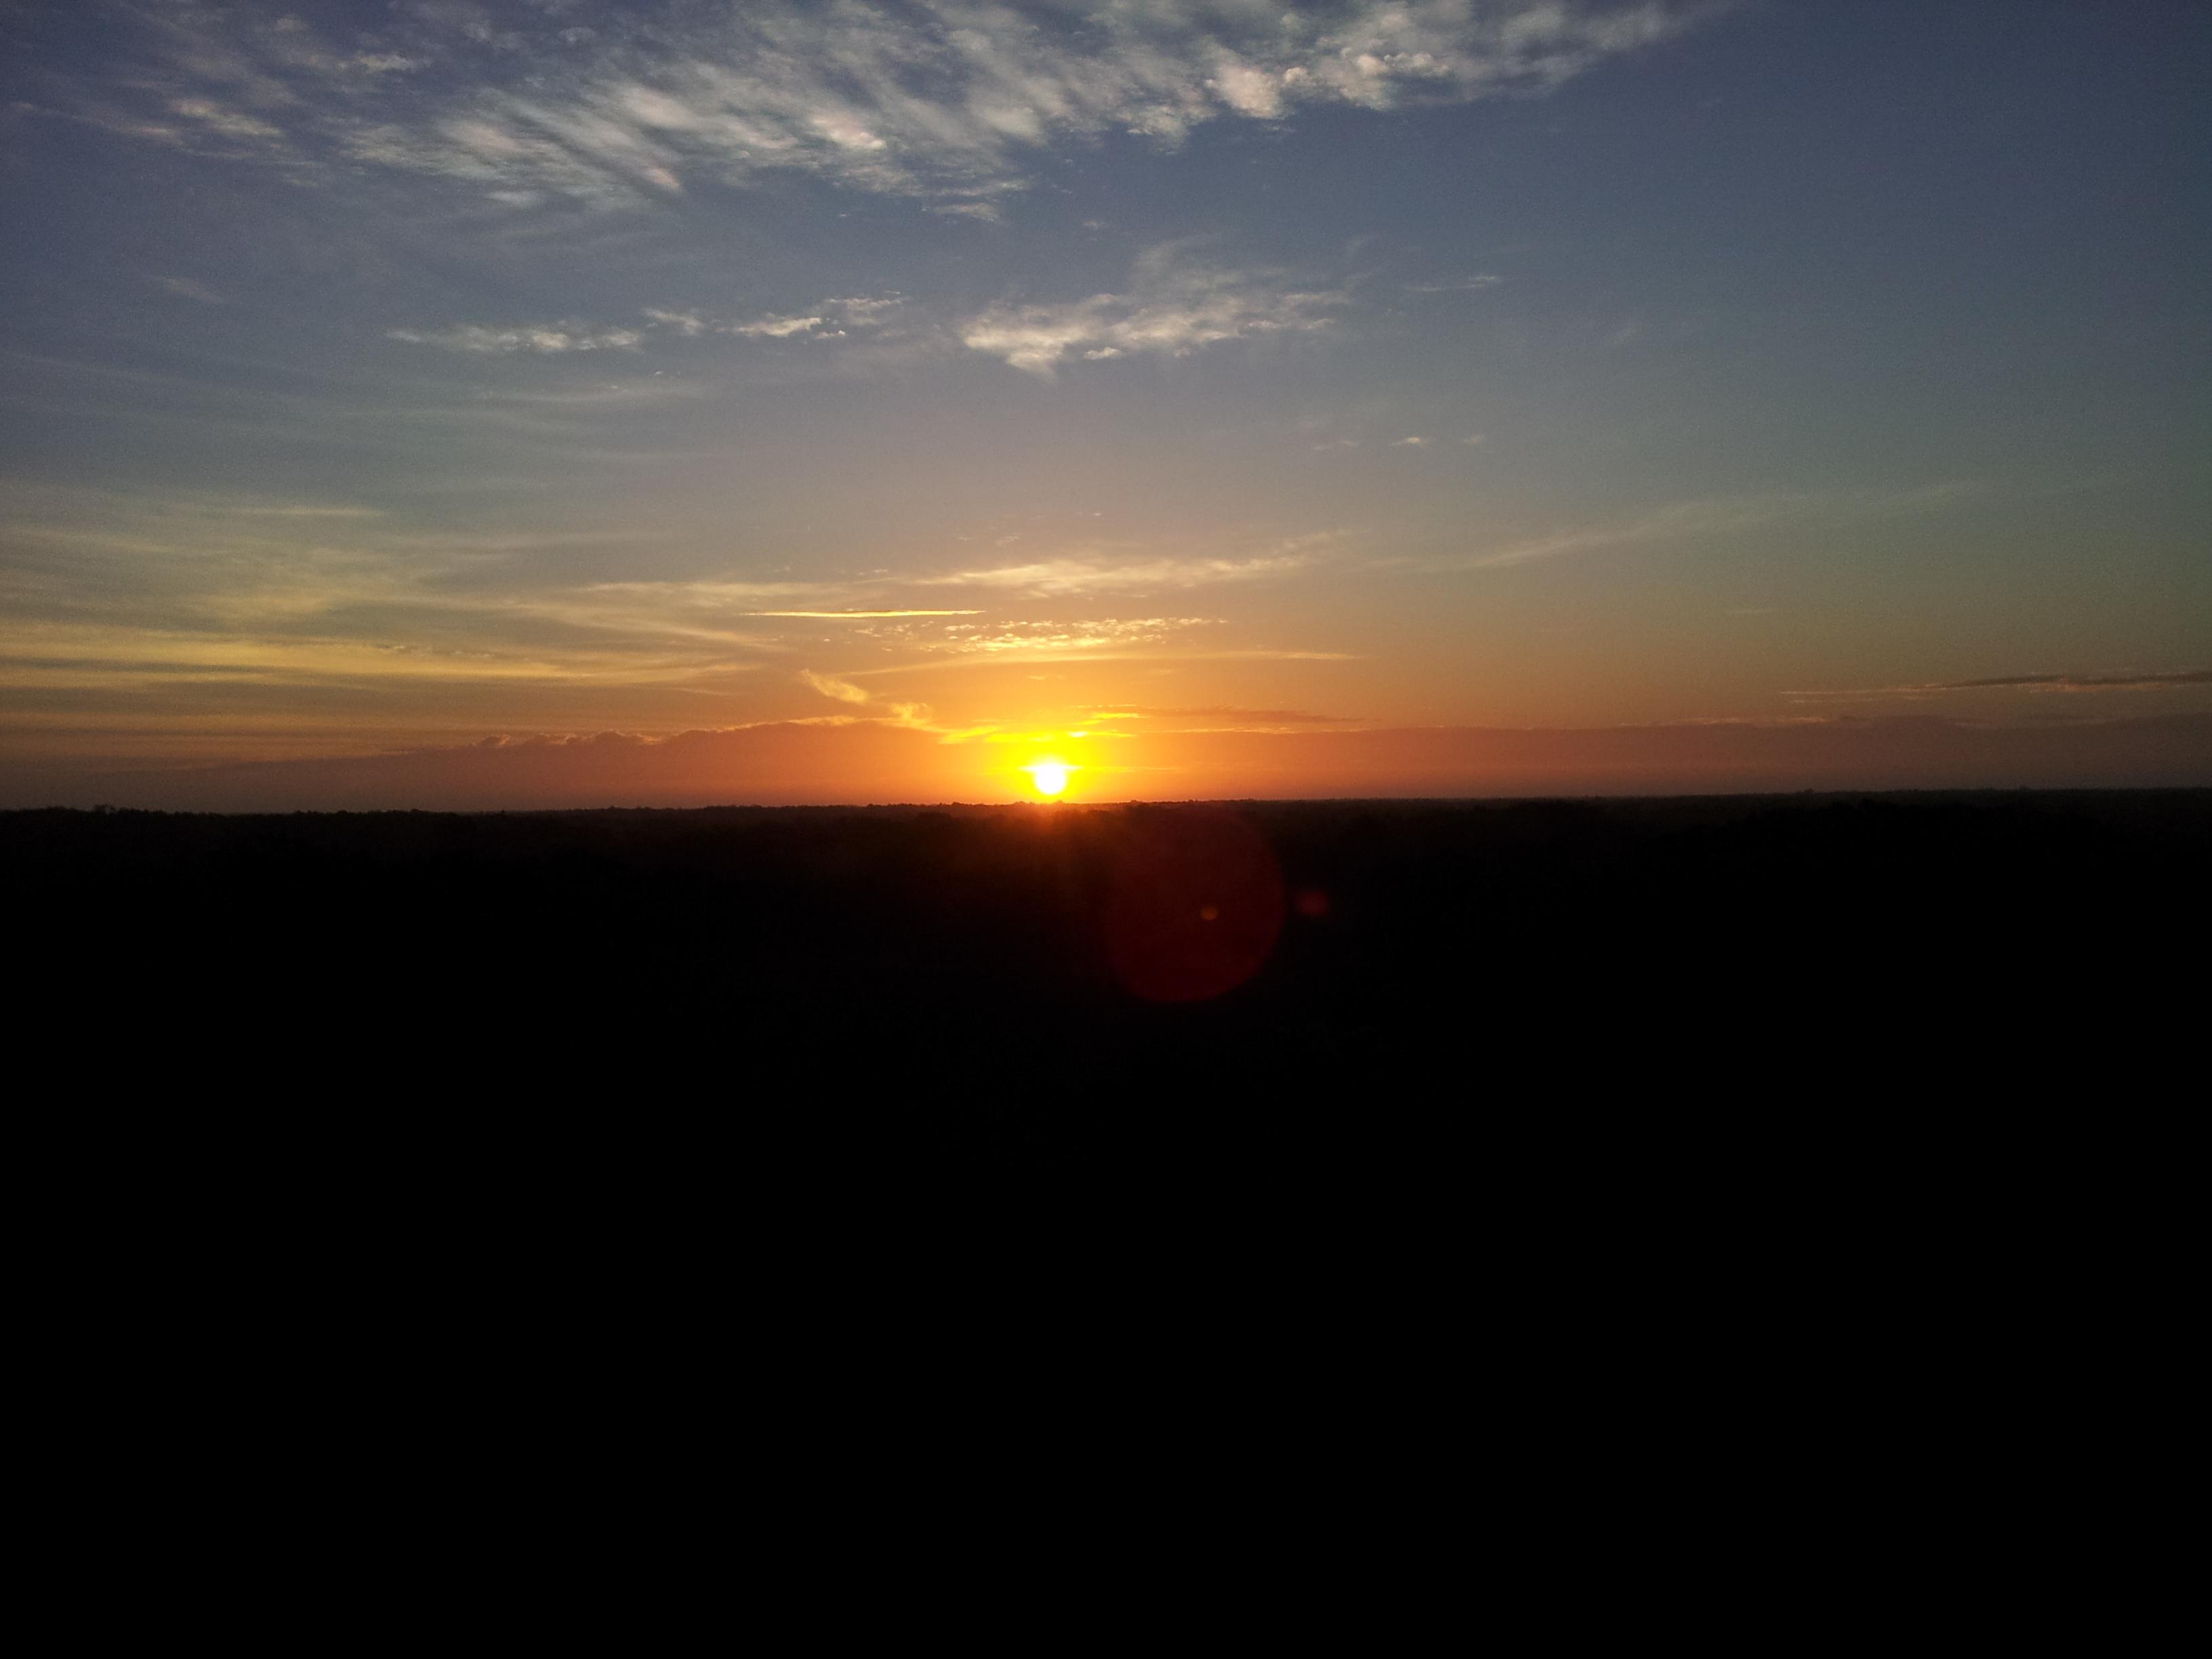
(446, 403)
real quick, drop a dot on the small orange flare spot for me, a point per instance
(1209, 913)
(1312, 902)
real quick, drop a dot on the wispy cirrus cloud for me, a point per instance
(276, 594)
(949, 100)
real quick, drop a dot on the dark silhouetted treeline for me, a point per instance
(1442, 993)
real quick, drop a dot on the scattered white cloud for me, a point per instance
(1173, 308)
(774, 328)
(688, 323)
(830, 320)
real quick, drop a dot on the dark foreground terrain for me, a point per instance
(1354, 994)
(1596, 1176)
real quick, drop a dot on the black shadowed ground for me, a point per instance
(1331, 992)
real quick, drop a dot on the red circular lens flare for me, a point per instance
(1195, 904)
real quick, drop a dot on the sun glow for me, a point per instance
(1050, 776)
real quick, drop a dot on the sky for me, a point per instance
(441, 403)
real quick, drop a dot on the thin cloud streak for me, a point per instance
(1688, 521)
(1075, 573)
(539, 337)
(2029, 683)
(860, 616)
(1246, 719)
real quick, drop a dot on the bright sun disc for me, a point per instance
(1049, 776)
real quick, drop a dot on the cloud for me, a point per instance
(1721, 516)
(1054, 638)
(774, 328)
(842, 690)
(1241, 718)
(1054, 578)
(186, 288)
(949, 100)
(906, 716)
(2031, 683)
(180, 608)
(830, 320)
(228, 122)
(1173, 308)
(861, 616)
(2086, 683)
(865, 760)
(527, 336)
(288, 510)
(688, 323)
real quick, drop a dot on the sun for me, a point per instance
(1050, 776)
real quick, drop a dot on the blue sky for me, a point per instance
(388, 375)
